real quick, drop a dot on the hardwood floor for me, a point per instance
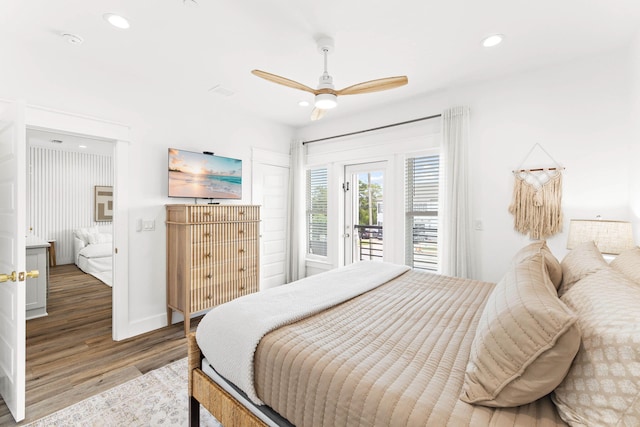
(70, 353)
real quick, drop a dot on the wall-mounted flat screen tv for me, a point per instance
(204, 176)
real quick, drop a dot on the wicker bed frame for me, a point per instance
(203, 391)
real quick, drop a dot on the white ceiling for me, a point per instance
(66, 142)
(176, 51)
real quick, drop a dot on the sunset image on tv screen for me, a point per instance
(204, 176)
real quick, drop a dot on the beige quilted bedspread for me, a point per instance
(395, 356)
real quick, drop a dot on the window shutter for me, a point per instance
(422, 197)
(317, 212)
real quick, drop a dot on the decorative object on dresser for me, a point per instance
(213, 256)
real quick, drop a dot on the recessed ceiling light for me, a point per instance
(82, 146)
(117, 20)
(303, 103)
(72, 38)
(492, 40)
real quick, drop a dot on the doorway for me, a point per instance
(17, 115)
(64, 173)
(364, 212)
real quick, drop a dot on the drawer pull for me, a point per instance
(240, 231)
(206, 213)
(207, 255)
(242, 287)
(209, 297)
(209, 276)
(241, 251)
(241, 213)
(243, 269)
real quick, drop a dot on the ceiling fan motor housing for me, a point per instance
(326, 101)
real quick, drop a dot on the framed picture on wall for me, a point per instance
(103, 203)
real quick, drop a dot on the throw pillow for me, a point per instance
(525, 341)
(628, 263)
(583, 260)
(551, 262)
(602, 387)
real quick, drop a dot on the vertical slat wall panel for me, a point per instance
(61, 194)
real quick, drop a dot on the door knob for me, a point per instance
(6, 277)
(33, 274)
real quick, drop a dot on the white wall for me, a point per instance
(211, 125)
(578, 111)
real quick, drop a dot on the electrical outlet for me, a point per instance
(478, 225)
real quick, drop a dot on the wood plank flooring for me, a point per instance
(70, 352)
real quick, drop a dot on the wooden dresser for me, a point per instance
(213, 256)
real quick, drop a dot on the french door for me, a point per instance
(364, 212)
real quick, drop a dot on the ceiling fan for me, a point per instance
(326, 96)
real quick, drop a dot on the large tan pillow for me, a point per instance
(583, 260)
(602, 387)
(628, 263)
(525, 341)
(551, 262)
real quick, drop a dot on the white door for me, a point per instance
(12, 259)
(270, 189)
(364, 212)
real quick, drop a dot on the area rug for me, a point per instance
(158, 398)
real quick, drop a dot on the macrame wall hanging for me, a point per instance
(537, 199)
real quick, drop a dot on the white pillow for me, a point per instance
(100, 238)
(84, 233)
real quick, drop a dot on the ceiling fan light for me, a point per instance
(326, 101)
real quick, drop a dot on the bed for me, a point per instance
(378, 344)
(93, 251)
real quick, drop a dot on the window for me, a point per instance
(421, 236)
(317, 212)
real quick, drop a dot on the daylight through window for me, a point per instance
(422, 183)
(317, 212)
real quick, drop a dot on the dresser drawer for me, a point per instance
(225, 232)
(203, 213)
(203, 254)
(207, 297)
(239, 268)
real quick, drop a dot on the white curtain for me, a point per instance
(455, 219)
(295, 249)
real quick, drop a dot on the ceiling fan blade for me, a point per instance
(374, 85)
(282, 81)
(317, 114)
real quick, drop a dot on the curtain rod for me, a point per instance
(372, 129)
